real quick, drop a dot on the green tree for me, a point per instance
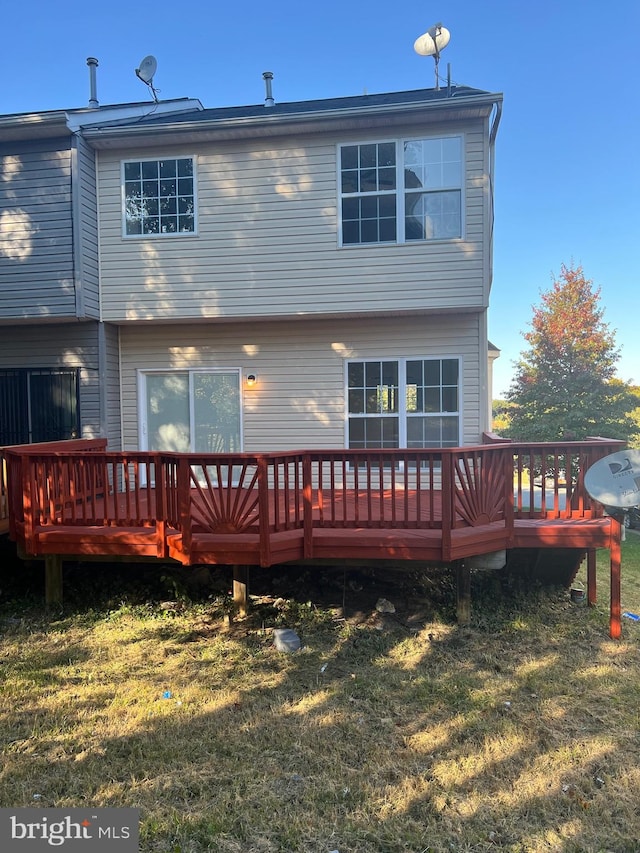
(635, 416)
(565, 385)
(501, 416)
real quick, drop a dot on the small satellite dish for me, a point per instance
(148, 68)
(431, 43)
(615, 480)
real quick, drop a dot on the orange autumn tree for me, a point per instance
(565, 385)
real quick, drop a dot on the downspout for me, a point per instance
(487, 366)
(76, 229)
(492, 160)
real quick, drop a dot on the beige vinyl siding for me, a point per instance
(59, 346)
(36, 234)
(267, 242)
(299, 398)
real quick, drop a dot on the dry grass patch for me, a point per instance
(517, 734)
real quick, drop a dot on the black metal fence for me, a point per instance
(39, 405)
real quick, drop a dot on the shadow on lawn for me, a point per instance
(379, 736)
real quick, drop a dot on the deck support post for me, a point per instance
(241, 590)
(53, 580)
(463, 592)
(592, 595)
(615, 627)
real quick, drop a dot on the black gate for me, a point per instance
(39, 405)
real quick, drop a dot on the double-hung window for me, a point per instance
(159, 197)
(407, 402)
(401, 191)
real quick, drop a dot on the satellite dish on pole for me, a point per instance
(431, 43)
(146, 71)
(615, 480)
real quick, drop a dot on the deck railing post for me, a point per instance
(509, 513)
(15, 503)
(615, 627)
(448, 503)
(263, 510)
(307, 504)
(28, 487)
(160, 503)
(184, 503)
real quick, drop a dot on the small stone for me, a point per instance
(385, 606)
(286, 640)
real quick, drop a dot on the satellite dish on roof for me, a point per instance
(431, 43)
(148, 68)
(615, 480)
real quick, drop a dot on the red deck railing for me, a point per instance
(77, 498)
(80, 484)
(12, 495)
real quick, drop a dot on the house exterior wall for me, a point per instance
(60, 346)
(110, 375)
(299, 399)
(36, 231)
(267, 243)
(85, 208)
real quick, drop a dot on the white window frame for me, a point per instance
(403, 415)
(161, 235)
(400, 190)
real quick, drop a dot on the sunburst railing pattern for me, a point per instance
(225, 497)
(479, 487)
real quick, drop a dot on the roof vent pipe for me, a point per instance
(93, 98)
(267, 76)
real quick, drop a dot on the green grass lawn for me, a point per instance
(630, 575)
(383, 734)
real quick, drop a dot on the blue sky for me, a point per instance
(567, 161)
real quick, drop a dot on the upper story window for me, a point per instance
(159, 197)
(401, 191)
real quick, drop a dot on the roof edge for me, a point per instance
(270, 118)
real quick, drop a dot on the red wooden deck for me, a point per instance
(263, 509)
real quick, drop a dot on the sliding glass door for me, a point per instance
(194, 411)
